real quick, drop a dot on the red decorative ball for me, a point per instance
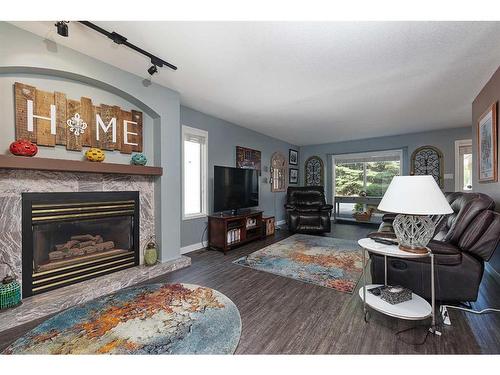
(23, 147)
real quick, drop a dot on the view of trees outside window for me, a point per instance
(373, 178)
(350, 177)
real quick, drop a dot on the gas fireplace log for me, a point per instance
(83, 237)
(81, 245)
(108, 245)
(89, 249)
(98, 239)
(75, 251)
(67, 245)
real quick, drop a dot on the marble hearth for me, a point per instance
(15, 182)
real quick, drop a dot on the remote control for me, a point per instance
(384, 241)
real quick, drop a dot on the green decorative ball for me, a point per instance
(139, 159)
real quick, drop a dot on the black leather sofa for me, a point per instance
(307, 210)
(463, 241)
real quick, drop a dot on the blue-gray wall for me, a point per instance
(24, 55)
(442, 139)
(223, 137)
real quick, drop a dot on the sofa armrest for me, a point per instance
(326, 207)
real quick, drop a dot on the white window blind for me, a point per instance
(367, 157)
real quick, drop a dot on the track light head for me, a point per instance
(152, 70)
(62, 28)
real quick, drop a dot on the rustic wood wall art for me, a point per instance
(50, 118)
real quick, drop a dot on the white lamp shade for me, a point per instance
(414, 195)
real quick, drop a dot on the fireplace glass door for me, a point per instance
(59, 244)
(72, 237)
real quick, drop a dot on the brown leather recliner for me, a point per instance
(464, 240)
(307, 210)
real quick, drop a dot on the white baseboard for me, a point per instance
(281, 222)
(193, 247)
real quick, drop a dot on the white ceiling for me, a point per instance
(310, 83)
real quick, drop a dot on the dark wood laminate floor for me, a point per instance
(280, 315)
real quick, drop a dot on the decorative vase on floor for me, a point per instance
(150, 253)
(10, 290)
(10, 293)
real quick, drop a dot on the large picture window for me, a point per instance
(194, 173)
(363, 175)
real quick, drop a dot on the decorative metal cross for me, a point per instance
(76, 124)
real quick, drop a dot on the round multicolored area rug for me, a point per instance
(153, 319)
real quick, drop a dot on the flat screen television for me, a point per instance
(235, 188)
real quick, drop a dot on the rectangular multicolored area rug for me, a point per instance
(326, 261)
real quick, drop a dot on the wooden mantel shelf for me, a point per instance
(57, 165)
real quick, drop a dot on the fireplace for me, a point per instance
(72, 237)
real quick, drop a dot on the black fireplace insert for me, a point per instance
(72, 237)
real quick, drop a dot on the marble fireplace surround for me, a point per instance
(15, 182)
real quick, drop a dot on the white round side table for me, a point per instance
(415, 309)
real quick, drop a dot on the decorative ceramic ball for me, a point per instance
(139, 159)
(23, 147)
(95, 154)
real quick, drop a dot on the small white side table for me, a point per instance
(415, 309)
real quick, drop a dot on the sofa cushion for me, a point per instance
(466, 206)
(307, 208)
(306, 196)
(482, 236)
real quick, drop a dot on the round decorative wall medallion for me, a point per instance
(314, 171)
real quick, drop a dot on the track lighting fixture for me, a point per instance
(152, 70)
(120, 39)
(62, 28)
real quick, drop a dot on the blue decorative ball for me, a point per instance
(139, 159)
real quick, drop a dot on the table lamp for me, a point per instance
(414, 198)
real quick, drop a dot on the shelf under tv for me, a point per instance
(220, 224)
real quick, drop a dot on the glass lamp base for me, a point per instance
(413, 232)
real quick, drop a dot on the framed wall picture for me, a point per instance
(487, 145)
(248, 158)
(293, 176)
(293, 157)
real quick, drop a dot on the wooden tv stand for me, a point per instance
(220, 224)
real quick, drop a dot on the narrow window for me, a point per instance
(194, 173)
